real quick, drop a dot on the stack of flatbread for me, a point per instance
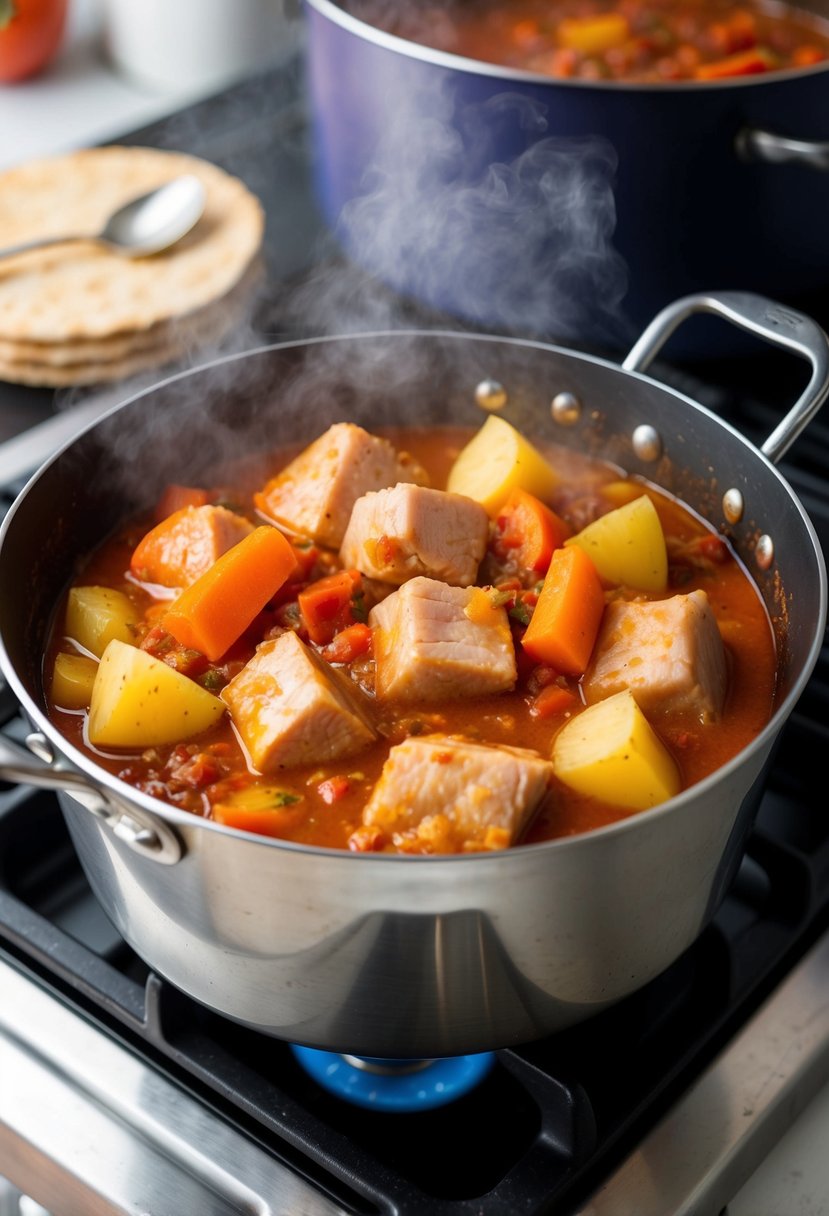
(79, 314)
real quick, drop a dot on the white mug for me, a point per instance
(190, 45)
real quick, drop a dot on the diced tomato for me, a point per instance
(552, 700)
(714, 548)
(197, 771)
(366, 839)
(333, 789)
(386, 550)
(528, 531)
(806, 56)
(306, 557)
(348, 644)
(540, 676)
(526, 32)
(325, 605)
(744, 63)
(162, 645)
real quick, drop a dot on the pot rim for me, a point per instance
(185, 819)
(333, 11)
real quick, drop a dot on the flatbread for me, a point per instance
(41, 375)
(79, 291)
(205, 325)
(187, 338)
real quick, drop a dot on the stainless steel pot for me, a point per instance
(394, 955)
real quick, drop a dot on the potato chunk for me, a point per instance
(497, 460)
(611, 752)
(138, 701)
(96, 615)
(72, 678)
(627, 545)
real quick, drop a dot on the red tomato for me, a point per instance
(30, 34)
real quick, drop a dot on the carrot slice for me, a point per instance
(264, 821)
(217, 608)
(529, 530)
(744, 63)
(552, 700)
(348, 644)
(565, 621)
(325, 605)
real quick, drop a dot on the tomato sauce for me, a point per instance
(624, 40)
(323, 803)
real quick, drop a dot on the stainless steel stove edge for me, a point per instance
(713, 1139)
(87, 1128)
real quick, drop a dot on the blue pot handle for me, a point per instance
(780, 150)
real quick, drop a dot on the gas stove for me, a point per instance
(119, 1094)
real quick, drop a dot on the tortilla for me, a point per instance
(81, 292)
(78, 363)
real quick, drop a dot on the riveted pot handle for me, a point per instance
(780, 150)
(141, 831)
(784, 327)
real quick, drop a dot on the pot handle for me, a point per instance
(781, 326)
(141, 831)
(774, 149)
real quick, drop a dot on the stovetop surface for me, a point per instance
(553, 1118)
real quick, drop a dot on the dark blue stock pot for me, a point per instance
(564, 209)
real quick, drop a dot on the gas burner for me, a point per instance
(402, 1086)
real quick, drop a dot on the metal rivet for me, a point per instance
(40, 746)
(764, 551)
(565, 408)
(733, 505)
(647, 442)
(490, 395)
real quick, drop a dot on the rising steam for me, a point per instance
(519, 245)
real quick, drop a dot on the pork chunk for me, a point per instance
(443, 793)
(315, 493)
(407, 530)
(184, 545)
(669, 653)
(433, 642)
(289, 707)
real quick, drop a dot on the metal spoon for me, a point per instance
(145, 225)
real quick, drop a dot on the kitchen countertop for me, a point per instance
(82, 99)
(79, 98)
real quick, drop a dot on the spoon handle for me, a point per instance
(42, 243)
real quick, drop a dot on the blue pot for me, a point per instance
(566, 210)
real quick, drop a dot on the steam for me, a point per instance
(518, 246)
(470, 215)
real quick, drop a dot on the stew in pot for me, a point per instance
(425, 641)
(633, 40)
